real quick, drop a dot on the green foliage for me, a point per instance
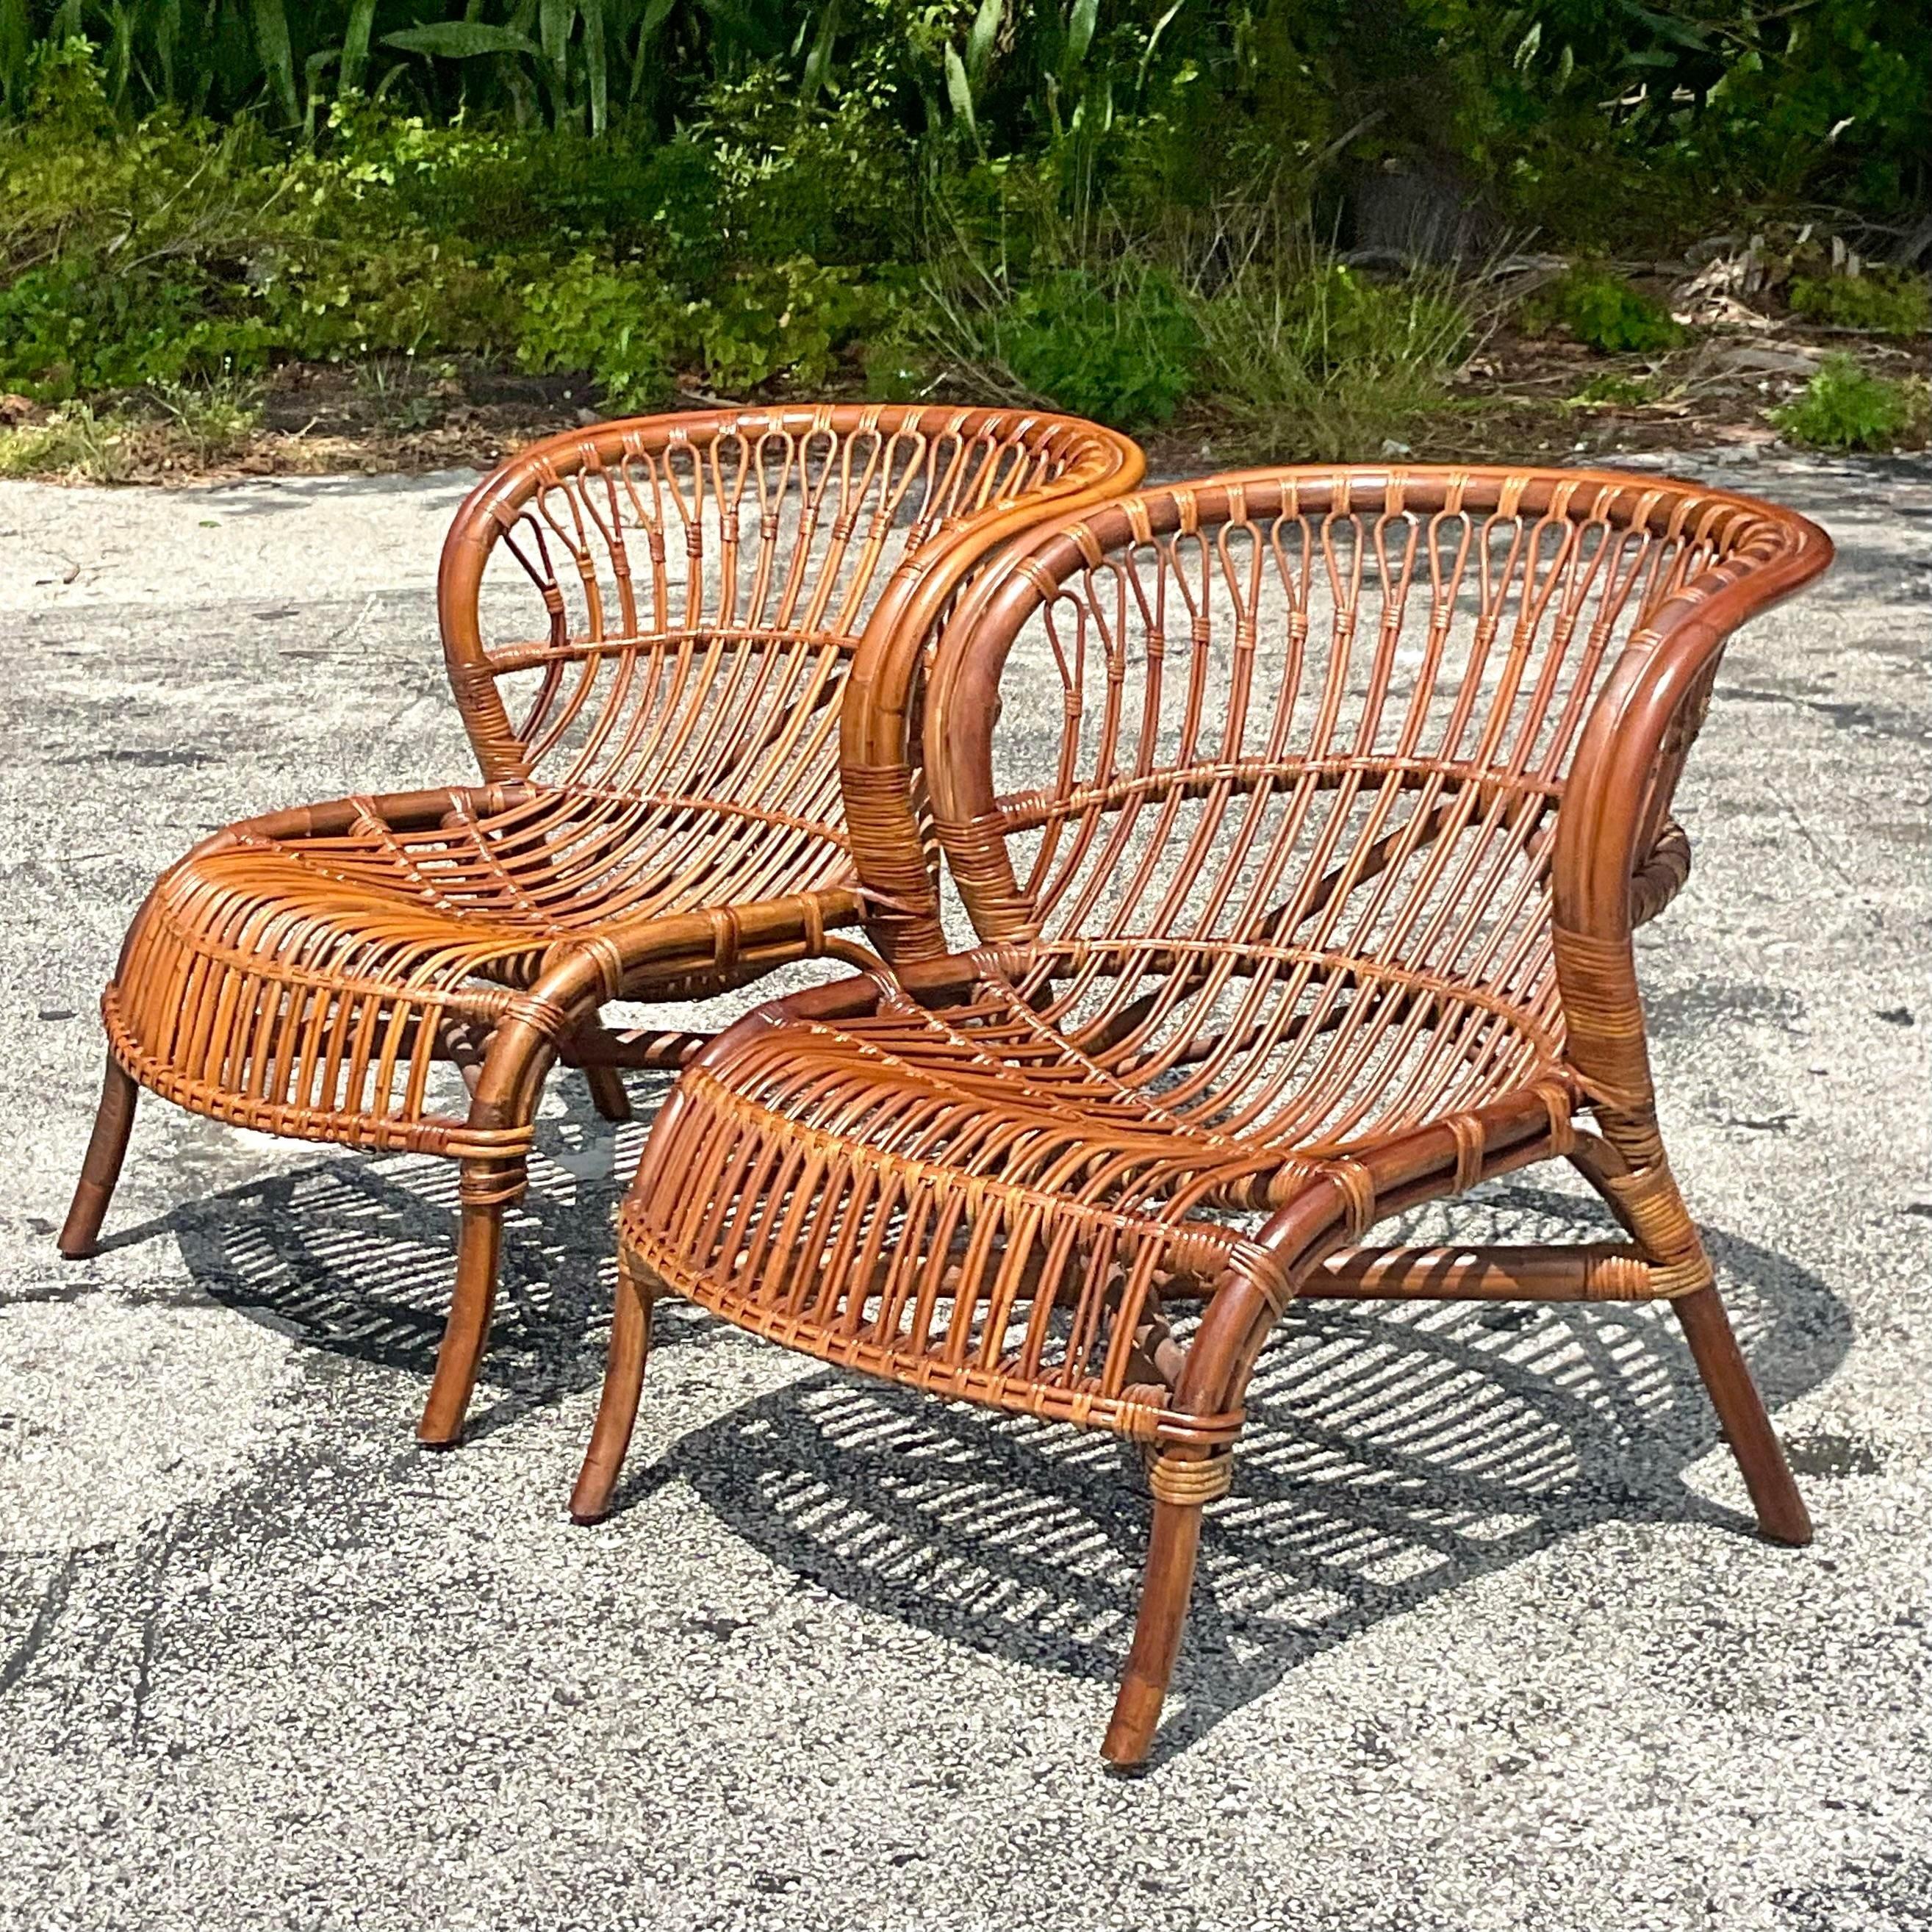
(1106, 204)
(1336, 317)
(1123, 349)
(1581, 113)
(212, 419)
(1316, 360)
(174, 252)
(614, 322)
(1844, 406)
(786, 179)
(72, 442)
(1604, 312)
(791, 320)
(588, 66)
(1885, 302)
(1608, 124)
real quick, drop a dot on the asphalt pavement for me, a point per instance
(1482, 1639)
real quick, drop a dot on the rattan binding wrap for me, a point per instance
(1304, 816)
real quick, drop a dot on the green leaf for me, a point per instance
(355, 44)
(17, 40)
(979, 42)
(459, 40)
(655, 14)
(554, 20)
(594, 69)
(1080, 31)
(959, 91)
(818, 62)
(1153, 41)
(318, 63)
(271, 47)
(167, 33)
(1688, 35)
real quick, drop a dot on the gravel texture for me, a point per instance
(1482, 1639)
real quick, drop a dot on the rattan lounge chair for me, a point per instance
(1304, 861)
(663, 822)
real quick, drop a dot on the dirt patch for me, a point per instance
(1521, 398)
(1545, 399)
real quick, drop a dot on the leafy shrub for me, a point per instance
(613, 322)
(1747, 104)
(1605, 312)
(897, 352)
(1888, 301)
(325, 301)
(506, 190)
(1591, 114)
(74, 327)
(172, 252)
(1339, 318)
(788, 180)
(1844, 406)
(1124, 350)
(213, 419)
(792, 319)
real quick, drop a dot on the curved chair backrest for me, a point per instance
(685, 592)
(1285, 720)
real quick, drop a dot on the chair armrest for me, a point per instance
(1615, 813)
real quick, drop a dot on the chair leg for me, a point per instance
(1648, 1201)
(478, 1249)
(1782, 1517)
(113, 1121)
(1172, 1551)
(617, 1406)
(607, 1093)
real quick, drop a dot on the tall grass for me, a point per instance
(1308, 358)
(1243, 313)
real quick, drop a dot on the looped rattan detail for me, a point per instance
(1358, 1190)
(724, 938)
(491, 1185)
(1470, 1141)
(1558, 1106)
(1304, 892)
(652, 685)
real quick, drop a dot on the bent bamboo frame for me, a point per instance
(1355, 783)
(660, 816)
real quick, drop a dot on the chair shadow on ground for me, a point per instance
(354, 1254)
(1393, 1452)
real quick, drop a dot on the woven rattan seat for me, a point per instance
(992, 1119)
(687, 597)
(1304, 818)
(345, 932)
